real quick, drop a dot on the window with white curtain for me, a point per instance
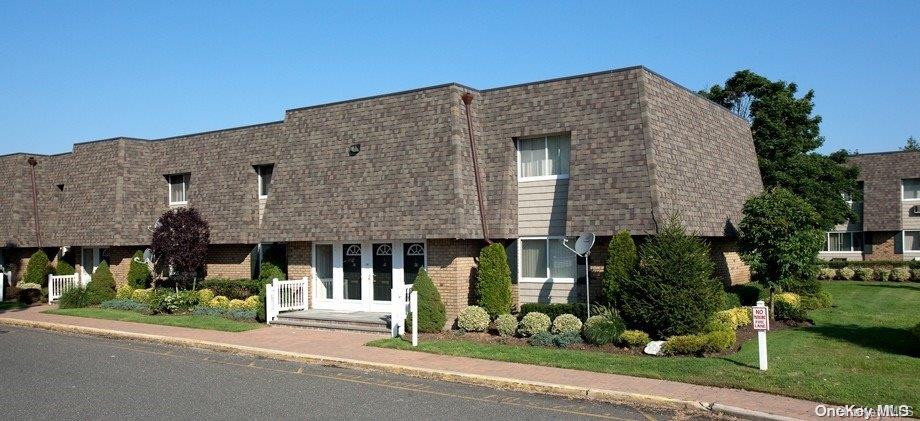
(843, 242)
(546, 258)
(911, 240)
(910, 189)
(544, 157)
(178, 188)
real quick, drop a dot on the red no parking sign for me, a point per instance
(761, 318)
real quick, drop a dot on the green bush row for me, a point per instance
(866, 273)
(874, 264)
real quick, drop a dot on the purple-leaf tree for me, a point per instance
(180, 241)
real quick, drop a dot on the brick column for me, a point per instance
(232, 261)
(451, 264)
(300, 264)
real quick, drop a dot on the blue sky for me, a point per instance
(79, 71)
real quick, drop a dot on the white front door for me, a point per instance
(358, 276)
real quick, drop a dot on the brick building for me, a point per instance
(888, 226)
(357, 195)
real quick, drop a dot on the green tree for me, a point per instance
(673, 290)
(102, 286)
(786, 134)
(64, 268)
(431, 313)
(37, 269)
(268, 271)
(780, 236)
(493, 280)
(912, 145)
(621, 260)
(139, 276)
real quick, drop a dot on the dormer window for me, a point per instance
(543, 158)
(265, 179)
(178, 188)
(910, 189)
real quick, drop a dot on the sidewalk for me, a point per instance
(347, 349)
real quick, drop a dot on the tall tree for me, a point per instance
(912, 145)
(786, 134)
(180, 242)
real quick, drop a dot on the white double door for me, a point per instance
(357, 276)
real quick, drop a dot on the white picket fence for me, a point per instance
(405, 302)
(284, 296)
(57, 284)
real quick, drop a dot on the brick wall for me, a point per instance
(451, 264)
(229, 261)
(300, 264)
(120, 262)
(729, 266)
(881, 245)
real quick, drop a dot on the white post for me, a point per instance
(761, 323)
(413, 306)
(397, 312)
(588, 283)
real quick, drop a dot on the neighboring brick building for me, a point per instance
(888, 227)
(356, 195)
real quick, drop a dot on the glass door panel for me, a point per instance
(383, 271)
(413, 260)
(324, 271)
(351, 271)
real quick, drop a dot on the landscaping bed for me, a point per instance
(178, 320)
(860, 351)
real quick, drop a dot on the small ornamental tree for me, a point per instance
(102, 286)
(181, 241)
(37, 269)
(139, 276)
(673, 290)
(621, 260)
(780, 237)
(431, 313)
(64, 268)
(268, 271)
(493, 280)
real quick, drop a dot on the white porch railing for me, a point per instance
(405, 301)
(57, 284)
(284, 296)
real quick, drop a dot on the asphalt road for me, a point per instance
(45, 375)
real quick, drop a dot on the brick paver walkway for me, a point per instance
(351, 346)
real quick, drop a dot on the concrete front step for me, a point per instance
(331, 325)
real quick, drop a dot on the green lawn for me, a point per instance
(858, 352)
(196, 322)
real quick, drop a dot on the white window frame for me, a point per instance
(904, 242)
(903, 190)
(549, 271)
(545, 161)
(169, 182)
(259, 170)
(827, 242)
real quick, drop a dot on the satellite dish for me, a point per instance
(148, 256)
(584, 243)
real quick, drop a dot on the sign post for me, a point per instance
(761, 320)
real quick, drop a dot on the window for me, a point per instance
(910, 189)
(547, 258)
(911, 240)
(178, 188)
(844, 242)
(543, 157)
(265, 179)
(413, 260)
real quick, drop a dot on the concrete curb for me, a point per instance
(604, 395)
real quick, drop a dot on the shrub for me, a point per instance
(30, 296)
(603, 330)
(28, 285)
(865, 274)
(565, 339)
(566, 323)
(787, 297)
(810, 286)
(809, 302)
(37, 269)
(493, 280)
(846, 274)
(252, 303)
(730, 301)
(124, 292)
(785, 310)
(827, 273)
(125, 304)
(141, 295)
(780, 236)
(684, 345)
(206, 295)
(634, 338)
(506, 324)
(431, 312)
(74, 297)
(180, 302)
(915, 275)
(234, 314)
(882, 275)
(63, 268)
(239, 289)
(542, 339)
(592, 320)
(554, 310)
(621, 261)
(900, 274)
(825, 299)
(533, 323)
(181, 240)
(268, 272)
(473, 319)
(735, 318)
(219, 302)
(749, 293)
(719, 341)
(102, 286)
(236, 304)
(138, 273)
(673, 292)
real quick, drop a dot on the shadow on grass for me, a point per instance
(897, 285)
(885, 339)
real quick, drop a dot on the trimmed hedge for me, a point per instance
(874, 264)
(268, 272)
(102, 286)
(74, 297)
(554, 310)
(634, 338)
(473, 319)
(506, 325)
(533, 323)
(234, 289)
(37, 269)
(566, 323)
(139, 276)
(493, 280)
(63, 268)
(621, 261)
(431, 312)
